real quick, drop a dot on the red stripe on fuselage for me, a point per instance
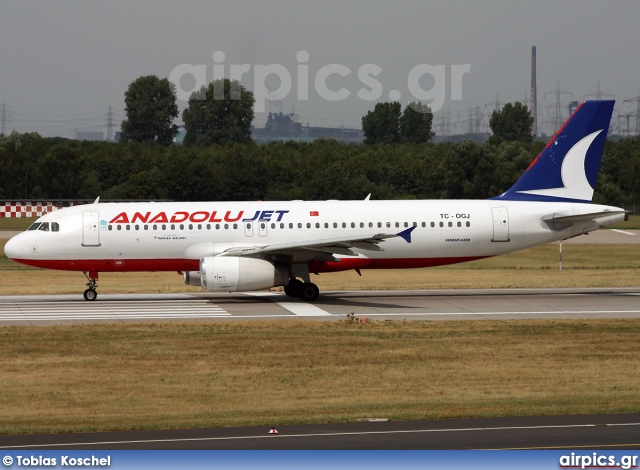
(140, 265)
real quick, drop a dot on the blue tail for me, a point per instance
(567, 168)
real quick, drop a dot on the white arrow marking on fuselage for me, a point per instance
(574, 177)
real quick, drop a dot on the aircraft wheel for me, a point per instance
(90, 294)
(294, 288)
(309, 292)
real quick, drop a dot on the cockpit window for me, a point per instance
(55, 227)
(34, 226)
(44, 226)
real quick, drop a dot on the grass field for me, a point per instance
(108, 377)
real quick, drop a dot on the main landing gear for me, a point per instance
(306, 291)
(91, 293)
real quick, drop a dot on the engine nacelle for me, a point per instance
(192, 278)
(236, 274)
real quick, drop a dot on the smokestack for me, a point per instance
(534, 99)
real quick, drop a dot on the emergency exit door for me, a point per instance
(500, 224)
(90, 228)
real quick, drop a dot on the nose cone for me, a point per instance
(13, 248)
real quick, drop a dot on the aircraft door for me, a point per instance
(500, 224)
(263, 228)
(90, 228)
(248, 229)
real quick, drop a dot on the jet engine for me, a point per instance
(192, 278)
(236, 274)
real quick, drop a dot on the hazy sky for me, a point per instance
(62, 62)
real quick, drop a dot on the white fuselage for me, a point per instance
(174, 236)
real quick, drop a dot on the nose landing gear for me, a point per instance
(91, 293)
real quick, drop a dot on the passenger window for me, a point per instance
(110, 227)
(335, 225)
(388, 224)
(379, 224)
(137, 227)
(290, 225)
(433, 224)
(450, 224)
(459, 224)
(281, 225)
(119, 227)
(226, 226)
(190, 226)
(273, 225)
(370, 224)
(406, 224)
(208, 226)
(199, 226)
(164, 227)
(397, 224)
(441, 224)
(317, 225)
(308, 225)
(353, 225)
(344, 225)
(326, 225)
(173, 226)
(468, 224)
(146, 227)
(128, 227)
(55, 227)
(235, 225)
(181, 226)
(34, 226)
(217, 226)
(299, 225)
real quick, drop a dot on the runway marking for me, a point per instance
(115, 310)
(295, 306)
(331, 434)
(622, 231)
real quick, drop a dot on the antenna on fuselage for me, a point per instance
(97, 200)
(368, 197)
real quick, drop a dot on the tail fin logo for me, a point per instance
(574, 178)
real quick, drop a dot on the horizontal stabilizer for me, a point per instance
(570, 219)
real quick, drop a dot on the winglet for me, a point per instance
(406, 234)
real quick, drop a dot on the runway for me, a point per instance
(475, 304)
(549, 432)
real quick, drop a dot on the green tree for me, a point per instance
(513, 123)
(150, 104)
(382, 125)
(415, 124)
(219, 114)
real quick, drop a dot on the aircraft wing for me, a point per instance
(322, 249)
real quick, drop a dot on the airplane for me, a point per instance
(248, 246)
